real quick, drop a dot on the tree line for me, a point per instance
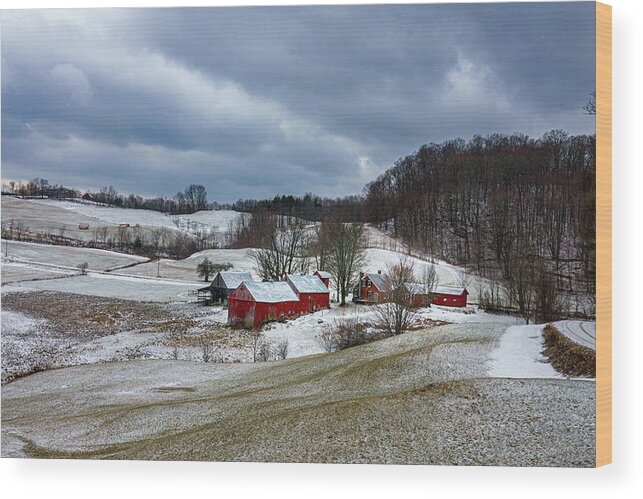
(508, 207)
(194, 198)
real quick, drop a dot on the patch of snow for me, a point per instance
(518, 354)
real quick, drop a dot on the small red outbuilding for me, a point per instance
(446, 296)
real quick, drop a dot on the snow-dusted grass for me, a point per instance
(416, 398)
(65, 256)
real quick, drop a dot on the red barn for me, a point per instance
(324, 276)
(313, 294)
(446, 296)
(254, 303)
(372, 288)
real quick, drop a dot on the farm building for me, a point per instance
(446, 296)
(223, 284)
(371, 288)
(311, 290)
(254, 303)
(324, 276)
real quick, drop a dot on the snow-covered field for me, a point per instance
(113, 286)
(47, 218)
(186, 269)
(65, 256)
(53, 216)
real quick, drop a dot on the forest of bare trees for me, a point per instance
(507, 207)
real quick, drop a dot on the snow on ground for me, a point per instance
(581, 332)
(113, 215)
(13, 272)
(418, 398)
(65, 256)
(46, 218)
(114, 286)
(199, 222)
(519, 354)
(304, 333)
(186, 269)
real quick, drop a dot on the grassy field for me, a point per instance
(420, 398)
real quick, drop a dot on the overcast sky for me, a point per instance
(254, 102)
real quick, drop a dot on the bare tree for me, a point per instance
(283, 251)
(83, 268)
(329, 340)
(590, 107)
(101, 233)
(19, 227)
(206, 349)
(347, 255)
(254, 342)
(429, 281)
(281, 349)
(397, 314)
(265, 351)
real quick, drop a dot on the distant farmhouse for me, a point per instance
(254, 303)
(373, 288)
(223, 284)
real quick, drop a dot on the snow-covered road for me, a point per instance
(581, 332)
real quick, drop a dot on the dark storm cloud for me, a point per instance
(257, 101)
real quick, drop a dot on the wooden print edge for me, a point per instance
(603, 234)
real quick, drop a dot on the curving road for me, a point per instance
(581, 332)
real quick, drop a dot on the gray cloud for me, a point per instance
(252, 102)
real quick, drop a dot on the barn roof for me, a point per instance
(323, 274)
(307, 284)
(271, 292)
(233, 279)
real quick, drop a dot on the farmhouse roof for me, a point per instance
(323, 274)
(271, 292)
(233, 279)
(378, 279)
(307, 284)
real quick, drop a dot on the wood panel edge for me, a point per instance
(603, 234)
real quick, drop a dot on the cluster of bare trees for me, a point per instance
(38, 187)
(296, 247)
(509, 207)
